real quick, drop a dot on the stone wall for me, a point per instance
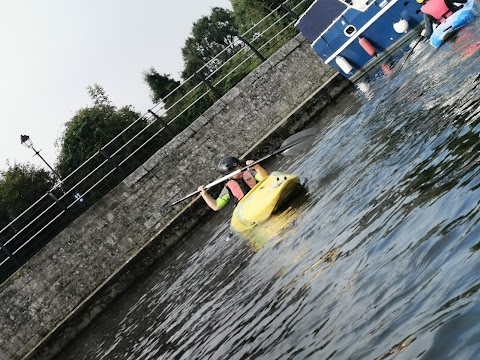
(59, 291)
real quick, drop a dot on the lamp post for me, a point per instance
(27, 142)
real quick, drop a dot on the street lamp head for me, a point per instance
(26, 141)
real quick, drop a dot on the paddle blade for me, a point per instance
(298, 142)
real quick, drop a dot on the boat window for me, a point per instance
(360, 5)
(319, 17)
(350, 30)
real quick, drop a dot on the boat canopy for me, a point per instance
(319, 16)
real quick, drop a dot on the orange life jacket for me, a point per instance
(239, 188)
(437, 9)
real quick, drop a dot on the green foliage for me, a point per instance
(98, 95)
(250, 12)
(160, 85)
(4, 217)
(210, 35)
(113, 142)
(90, 129)
(20, 186)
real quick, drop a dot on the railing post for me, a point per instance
(115, 164)
(208, 84)
(290, 12)
(165, 125)
(10, 256)
(54, 198)
(260, 56)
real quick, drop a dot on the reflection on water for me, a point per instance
(379, 259)
(278, 226)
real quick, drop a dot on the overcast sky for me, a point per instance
(51, 50)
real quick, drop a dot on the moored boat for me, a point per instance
(263, 200)
(353, 36)
(454, 22)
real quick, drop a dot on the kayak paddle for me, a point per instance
(292, 145)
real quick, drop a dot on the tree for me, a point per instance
(250, 12)
(90, 129)
(4, 217)
(20, 186)
(210, 35)
(98, 95)
(160, 85)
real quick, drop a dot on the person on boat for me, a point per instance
(436, 12)
(237, 186)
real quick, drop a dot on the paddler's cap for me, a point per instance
(228, 165)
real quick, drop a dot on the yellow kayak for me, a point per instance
(263, 200)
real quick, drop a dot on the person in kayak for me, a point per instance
(436, 12)
(237, 186)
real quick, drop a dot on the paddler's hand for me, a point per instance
(211, 202)
(255, 167)
(258, 168)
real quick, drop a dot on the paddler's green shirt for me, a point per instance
(224, 196)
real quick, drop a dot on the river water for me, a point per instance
(378, 259)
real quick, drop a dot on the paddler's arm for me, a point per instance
(428, 30)
(258, 168)
(211, 202)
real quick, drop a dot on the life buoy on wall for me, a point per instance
(367, 46)
(344, 64)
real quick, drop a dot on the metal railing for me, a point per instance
(70, 197)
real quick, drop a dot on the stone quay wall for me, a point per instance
(84, 268)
